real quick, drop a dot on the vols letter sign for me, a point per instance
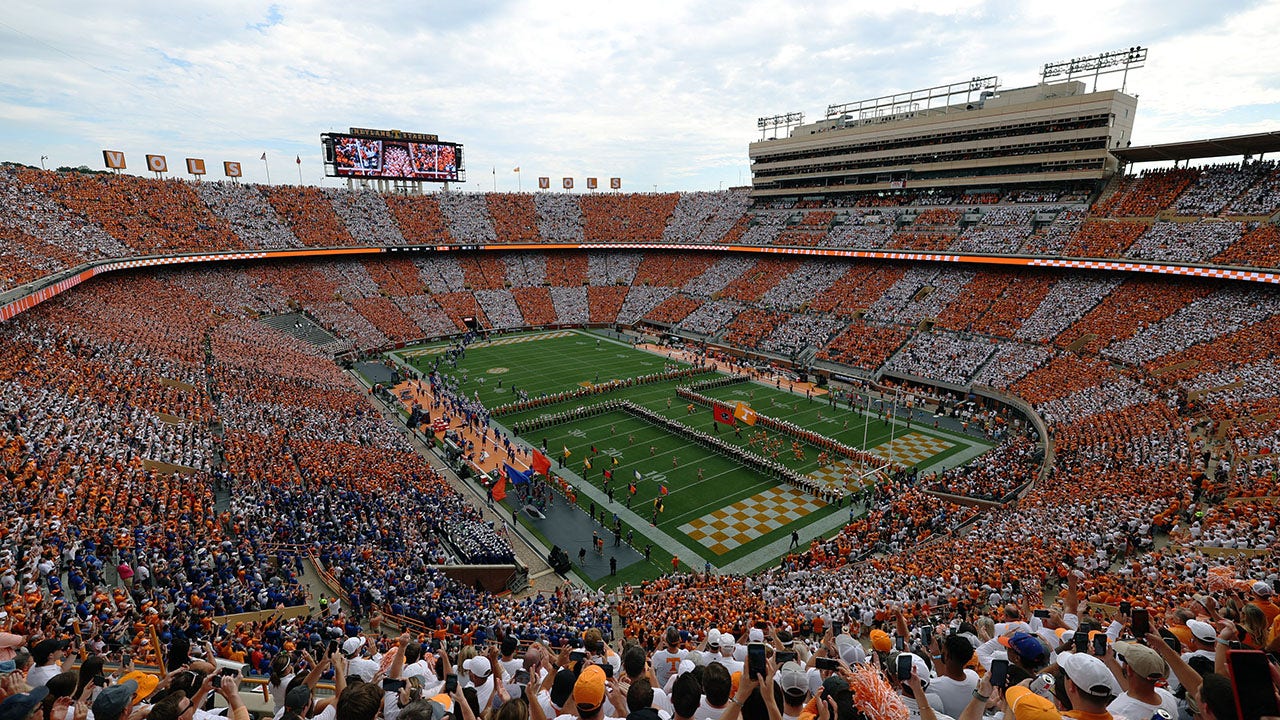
(544, 183)
(195, 166)
(568, 183)
(114, 159)
(615, 183)
(157, 163)
(232, 169)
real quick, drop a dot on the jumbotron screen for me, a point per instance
(359, 157)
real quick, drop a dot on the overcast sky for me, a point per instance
(662, 94)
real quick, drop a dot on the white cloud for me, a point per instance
(661, 93)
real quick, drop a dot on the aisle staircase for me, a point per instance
(304, 328)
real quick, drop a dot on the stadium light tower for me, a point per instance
(1101, 64)
(785, 120)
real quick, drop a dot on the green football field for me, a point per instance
(716, 509)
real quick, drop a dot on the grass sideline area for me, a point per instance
(703, 486)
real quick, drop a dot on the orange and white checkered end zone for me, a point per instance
(750, 518)
(912, 448)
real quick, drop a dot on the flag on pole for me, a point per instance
(722, 414)
(541, 463)
(608, 474)
(500, 488)
(516, 170)
(744, 413)
(264, 156)
(663, 489)
(632, 488)
(586, 462)
(615, 461)
(566, 451)
(299, 161)
(638, 476)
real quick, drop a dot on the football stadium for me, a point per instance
(963, 404)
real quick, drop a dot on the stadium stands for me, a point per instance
(133, 401)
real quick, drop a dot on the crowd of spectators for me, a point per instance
(1262, 198)
(248, 213)
(613, 268)
(604, 304)
(1010, 363)
(559, 217)
(419, 217)
(500, 308)
(1129, 309)
(1201, 320)
(441, 273)
(24, 207)
(536, 305)
(567, 269)
(467, 217)
(803, 283)
(573, 305)
(1218, 185)
(800, 331)
(526, 269)
(705, 217)
(309, 215)
(1185, 241)
(865, 345)
(631, 217)
(1103, 238)
(945, 357)
(1146, 194)
(1067, 300)
(365, 215)
(514, 216)
(641, 300)
(711, 317)
(670, 269)
(921, 294)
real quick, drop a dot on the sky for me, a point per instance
(663, 94)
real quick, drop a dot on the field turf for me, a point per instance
(551, 363)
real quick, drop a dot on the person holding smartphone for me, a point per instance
(904, 666)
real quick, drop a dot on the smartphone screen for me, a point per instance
(333, 648)
(1141, 623)
(755, 660)
(1255, 694)
(784, 657)
(1100, 644)
(1042, 613)
(607, 668)
(837, 629)
(392, 685)
(1125, 607)
(926, 634)
(999, 672)
(899, 643)
(824, 663)
(450, 684)
(904, 667)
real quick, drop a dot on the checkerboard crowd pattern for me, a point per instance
(750, 518)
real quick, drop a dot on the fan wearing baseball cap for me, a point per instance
(1088, 685)
(589, 693)
(1142, 668)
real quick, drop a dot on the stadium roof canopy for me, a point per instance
(1255, 145)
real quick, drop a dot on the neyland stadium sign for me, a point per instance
(394, 135)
